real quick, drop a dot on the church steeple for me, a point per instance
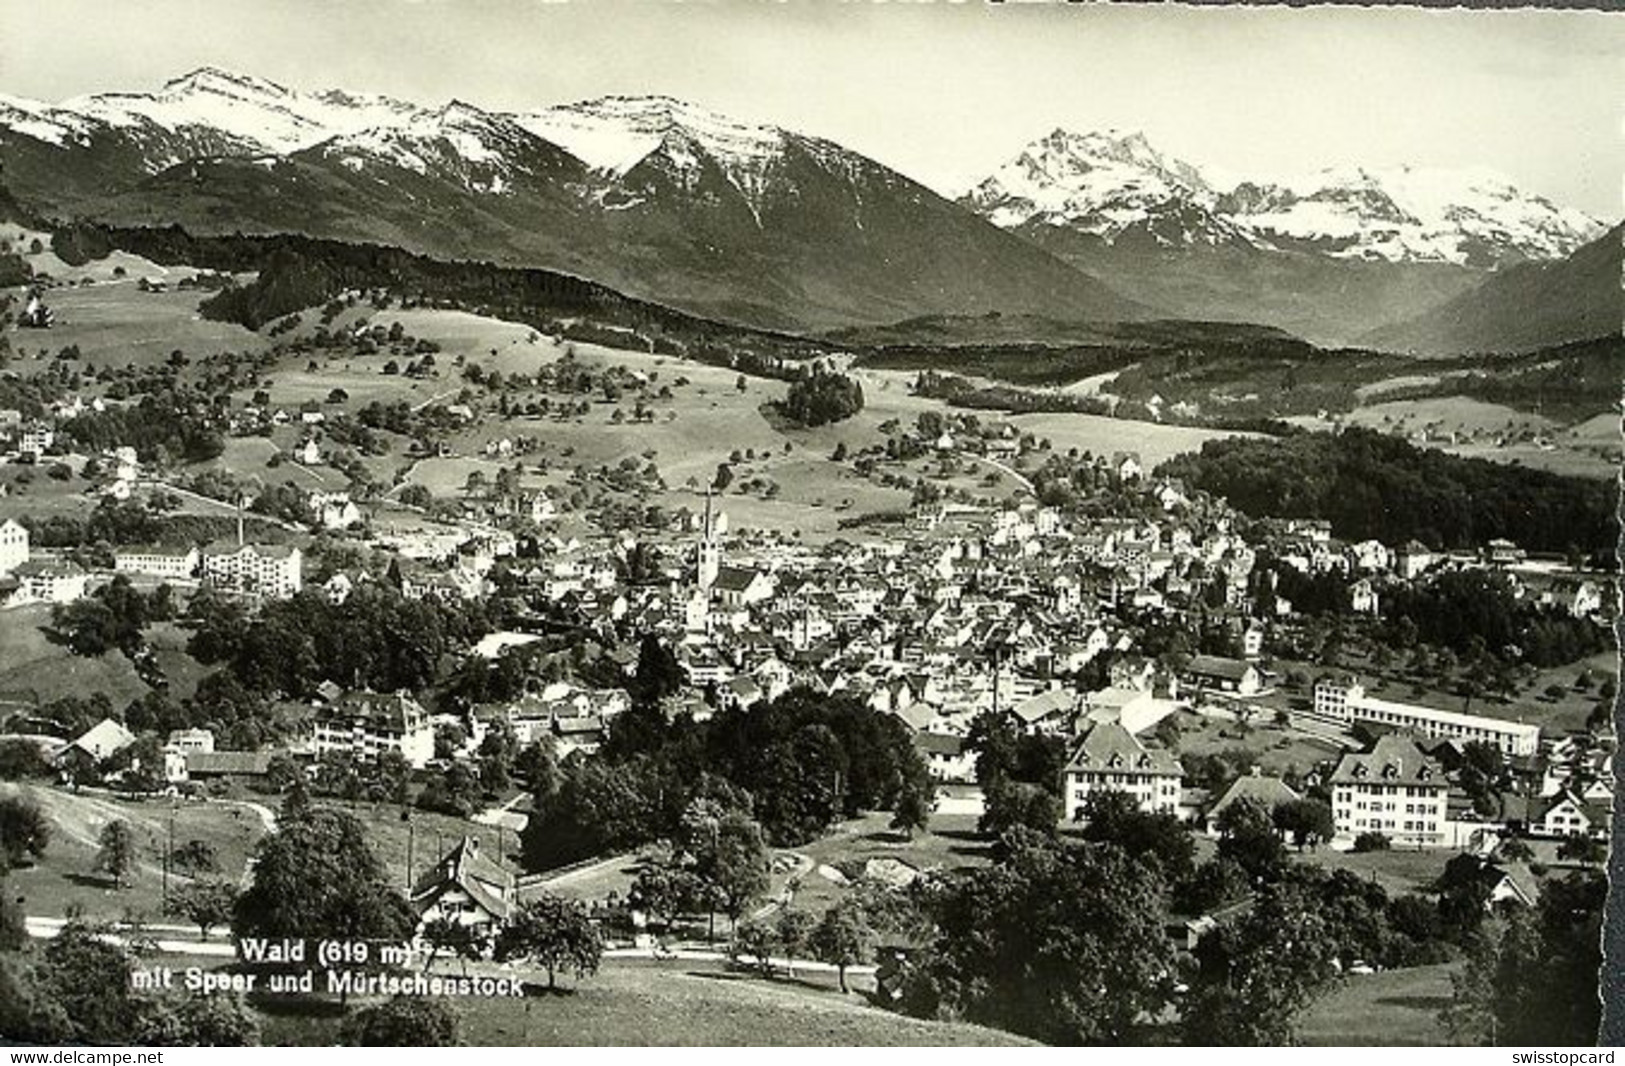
(708, 555)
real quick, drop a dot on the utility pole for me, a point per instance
(169, 850)
(411, 839)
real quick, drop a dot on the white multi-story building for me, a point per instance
(36, 440)
(1111, 759)
(1393, 789)
(1344, 700)
(13, 546)
(272, 570)
(179, 564)
(367, 724)
(39, 581)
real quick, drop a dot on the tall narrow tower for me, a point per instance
(708, 556)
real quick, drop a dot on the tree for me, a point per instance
(206, 904)
(1114, 817)
(117, 855)
(21, 759)
(405, 1021)
(85, 982)
(1010, 804)
(756, 939)
(664, 887)
(842, 938)
(555, 933)
(659, 674)
(913, 810)
(195, 857)
(1371, 840)
(823, 397)
(24, 832)
(1308, 821)
(1256, 975)
(1580, 848)
(216, 1020)
(1247, 834)
(316, 877)
(465, 942)
(1537, 983)
(734, 862)
(1065, 944)
(795, 930)
(13, 922)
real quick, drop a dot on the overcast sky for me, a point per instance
(944, 92)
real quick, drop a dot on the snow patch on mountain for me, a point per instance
(481, 150)
(614, 134)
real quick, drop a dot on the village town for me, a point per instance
(1154, 651)
(873, 525)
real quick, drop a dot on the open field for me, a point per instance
(1573, 462)
(1275, 749)
(115, 324)
(673, 1003)
(1448, 414)
(1395, 1008)
(950, 842)
(66, 876)
(1399, 870)
(31, 667)
(422, 837)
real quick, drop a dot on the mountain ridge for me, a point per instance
(747, 223)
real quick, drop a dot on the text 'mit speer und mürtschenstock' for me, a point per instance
(340, 967)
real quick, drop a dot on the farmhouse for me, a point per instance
(465, 888)
(1255, 786)
(1566, 814)
(946, 758)
(48, 582)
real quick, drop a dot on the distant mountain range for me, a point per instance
(759, 225)
(1524, 307)
(1119, 188)
(1325, 255)
(655, 197)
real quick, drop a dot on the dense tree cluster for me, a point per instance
(114, 616)
(77, 989)
(1473, 612)
(1533, 982)
(823, 396)
(1372, 485)
(180, 423)
(375, 638)
(797, 764)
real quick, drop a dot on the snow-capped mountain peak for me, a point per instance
(238, 111)
(1103, 183)
(1471, 215)
(221, 82)
(484, 151)
(1109, 185)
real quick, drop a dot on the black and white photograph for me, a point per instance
(821, 523)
